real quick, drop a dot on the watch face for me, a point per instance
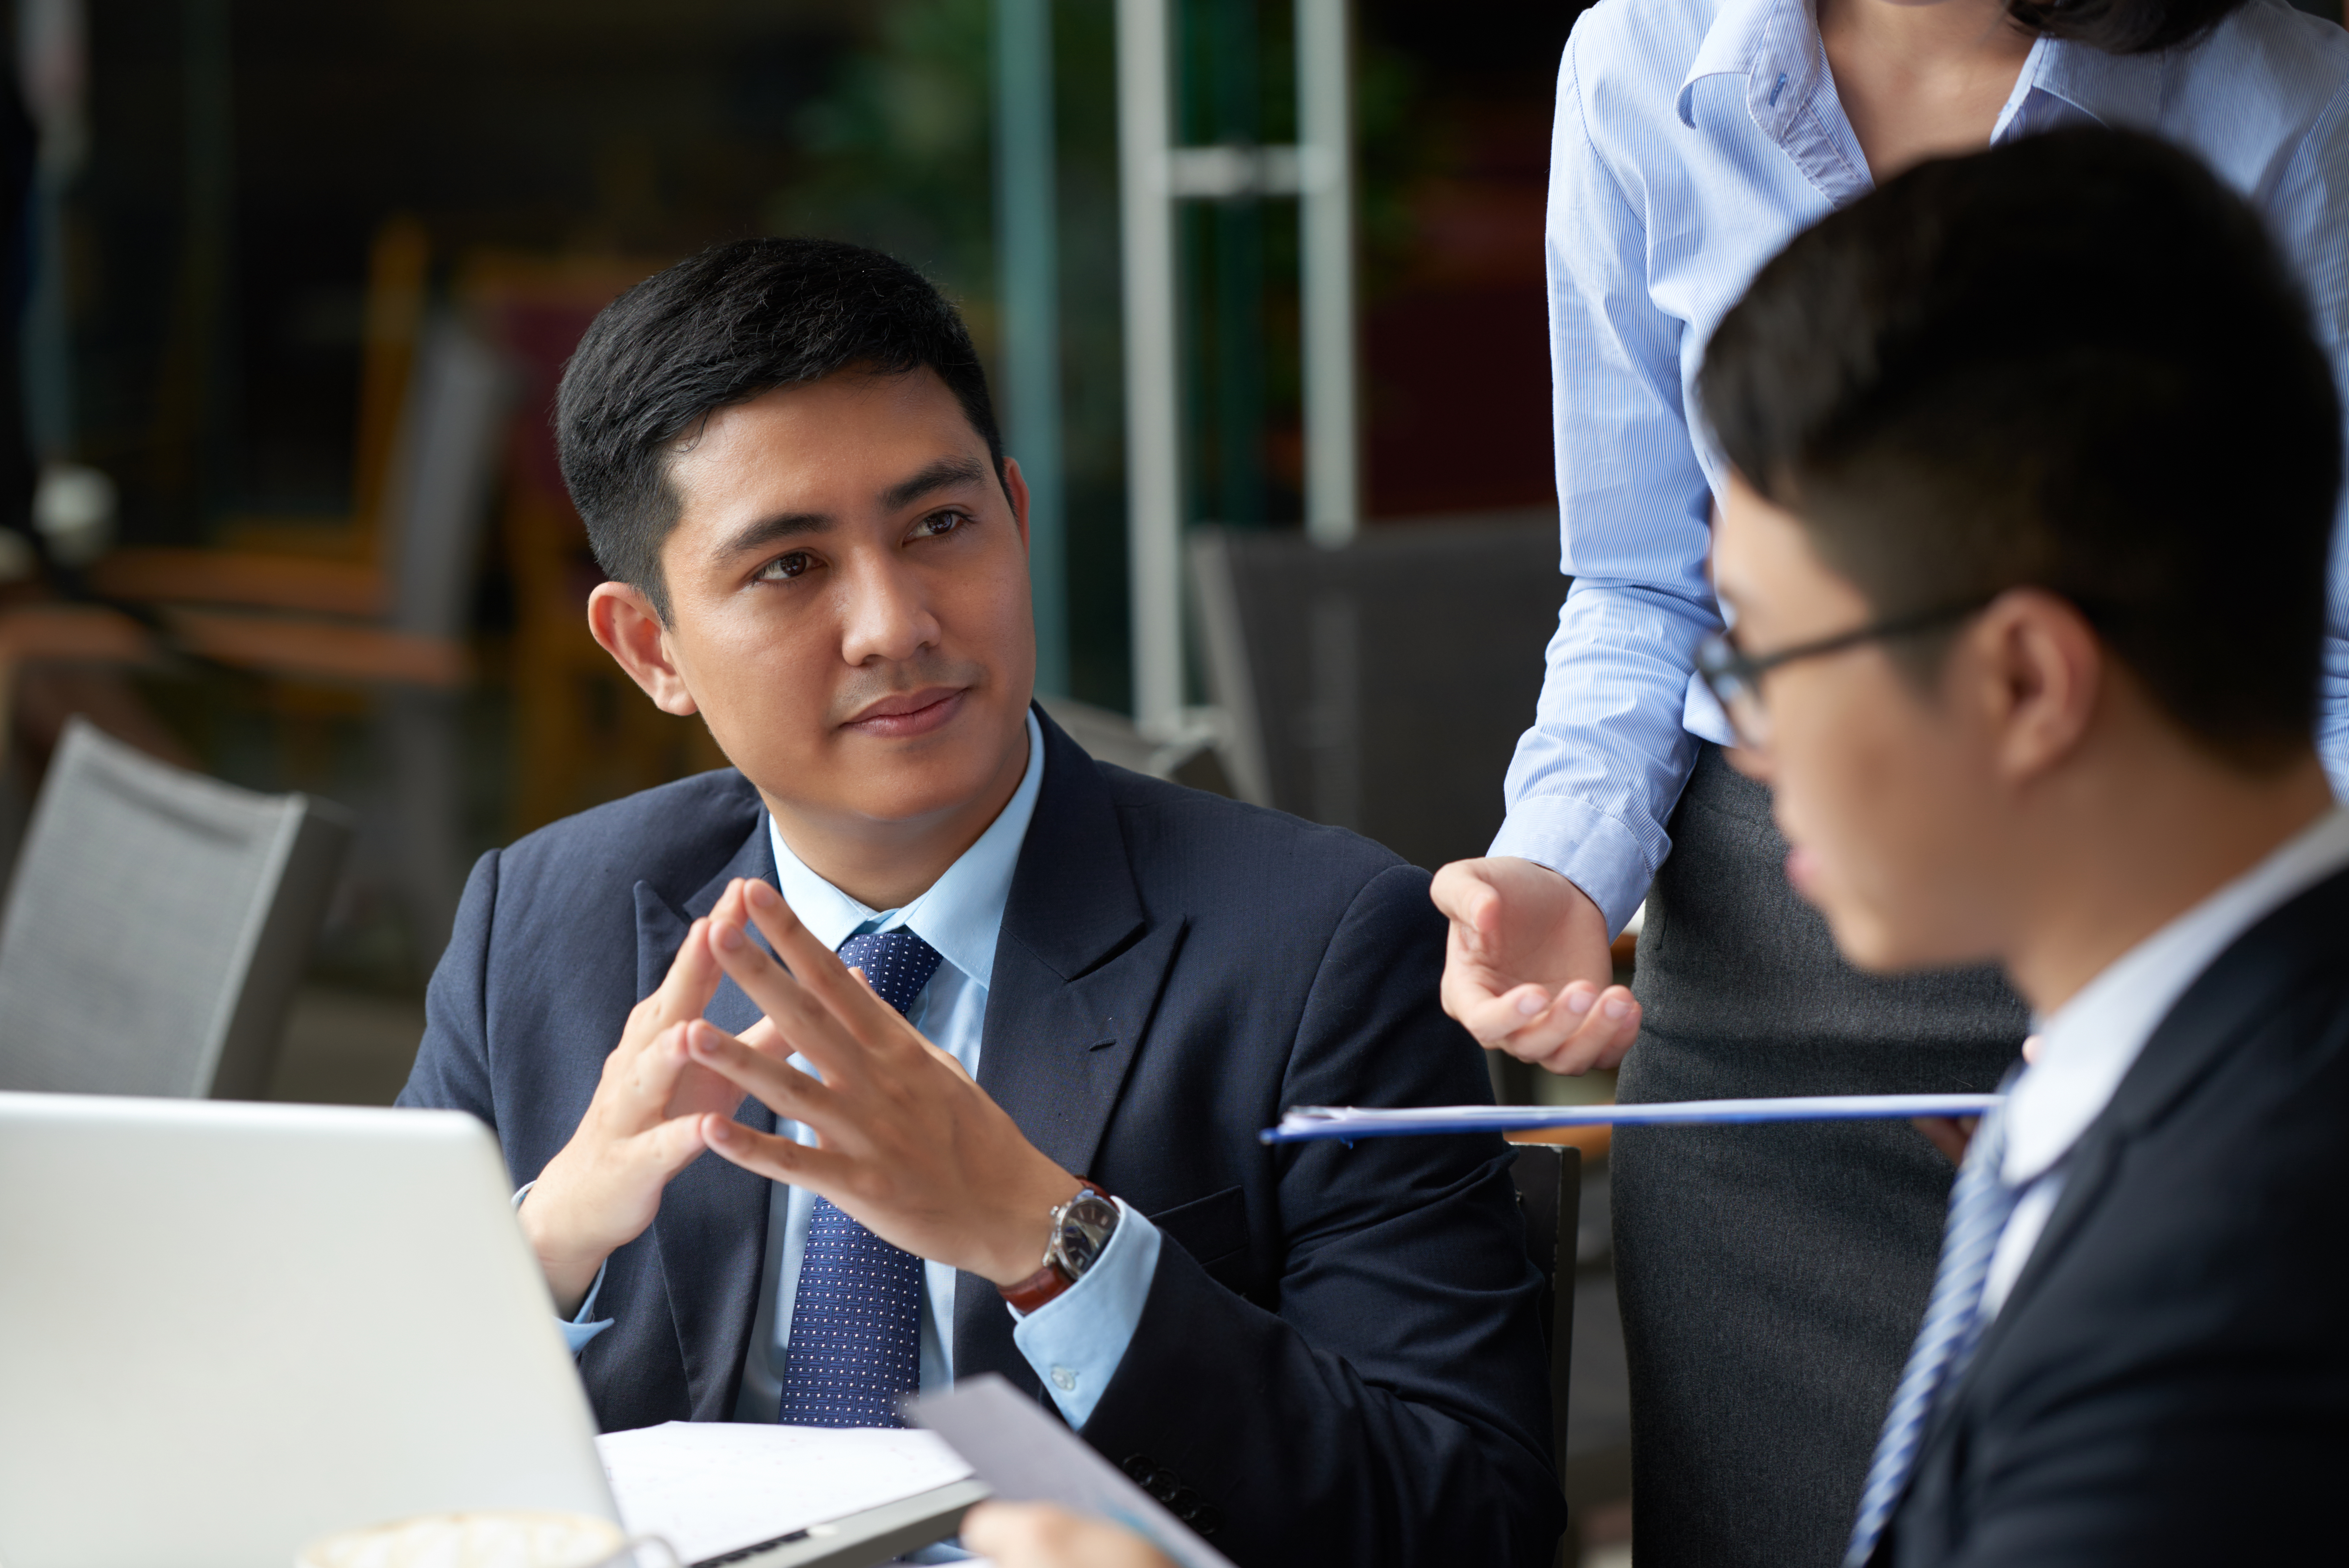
(1085, 1225)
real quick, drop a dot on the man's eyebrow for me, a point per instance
(938, 475)
(769, 531)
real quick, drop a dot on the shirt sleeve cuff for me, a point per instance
(1076, 1340)
(581, 1329)
(1588, 848)
(2332, 721)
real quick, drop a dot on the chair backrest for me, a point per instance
(1380, 687)
(1549, 1196)
(156, 926)
(443, 470)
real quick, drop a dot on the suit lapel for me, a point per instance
(2196, 1034)
(1078, 973)
(711, 1232)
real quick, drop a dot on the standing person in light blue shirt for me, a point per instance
(1770, 1278)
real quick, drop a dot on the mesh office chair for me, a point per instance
(156, 926)
(1549, 1196)
(1381, 687)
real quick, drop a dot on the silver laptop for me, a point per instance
(227, 1329)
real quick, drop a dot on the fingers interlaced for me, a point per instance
(651, 1078)
(783, 1088)
(798, 1020)
(779, 1158)
(869, 1018)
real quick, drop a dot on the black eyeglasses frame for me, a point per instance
(1731, 675)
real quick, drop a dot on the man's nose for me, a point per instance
(887, 614)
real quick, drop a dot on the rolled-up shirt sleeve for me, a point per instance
(1595, 780)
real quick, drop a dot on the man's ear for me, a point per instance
(1015, 488)
(625, 622)
(2044, 673)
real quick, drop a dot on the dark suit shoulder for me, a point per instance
(675, 836)
(1250, 853)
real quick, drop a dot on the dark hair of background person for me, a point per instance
(2122, 27)
(731, 323)
(2073, 362)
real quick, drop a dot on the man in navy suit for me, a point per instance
(995, 1109)
(2037, 462)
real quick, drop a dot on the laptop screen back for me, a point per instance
(228, 1329)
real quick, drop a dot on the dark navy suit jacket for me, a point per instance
(2168, 1381)
(1340, 1359)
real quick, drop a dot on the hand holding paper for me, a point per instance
(1025, 1455)
(1039, 1535)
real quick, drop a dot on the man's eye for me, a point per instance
(938, 522)
(782, 569)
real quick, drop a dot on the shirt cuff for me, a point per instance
(2333, 716)
(1076, 1340)
(580, 1329)
(1588, 848)
(1702, 714)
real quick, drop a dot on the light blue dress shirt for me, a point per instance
(1075, 1341)
(1693, 137)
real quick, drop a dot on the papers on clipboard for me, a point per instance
(1025, 1455)
(709, 1487)
(1302, 1124)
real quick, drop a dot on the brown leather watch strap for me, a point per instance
(1037, 1289)
(1026, 1295)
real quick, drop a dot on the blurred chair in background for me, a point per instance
(319, 565)
(381, 599)
(156, 925)
(582, 733)
(1382, 686)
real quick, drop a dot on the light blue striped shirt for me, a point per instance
(1693, 139)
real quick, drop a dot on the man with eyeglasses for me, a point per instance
(2027, 586)
(2036, 458)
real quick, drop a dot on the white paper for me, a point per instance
(1025, 1455)
(713, 1487)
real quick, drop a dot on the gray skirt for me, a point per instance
(1772, 1277)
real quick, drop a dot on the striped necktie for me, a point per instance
(1980, 1206)
(856, 1324)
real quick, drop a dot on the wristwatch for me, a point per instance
(1080, 1229)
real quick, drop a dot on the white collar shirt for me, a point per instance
(2088, 1045)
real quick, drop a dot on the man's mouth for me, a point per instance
(904, 713)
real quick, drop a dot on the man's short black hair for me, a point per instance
(2074, 361)
(722, 328)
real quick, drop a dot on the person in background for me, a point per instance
(1025, 1142)
(1769, 1278)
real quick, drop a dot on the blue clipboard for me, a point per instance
(1305, 1124)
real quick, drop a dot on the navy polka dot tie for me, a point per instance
(856, 1325)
